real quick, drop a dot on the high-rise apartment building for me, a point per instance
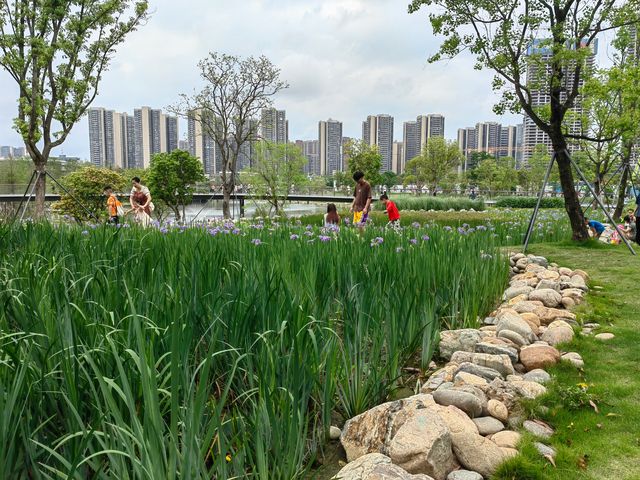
(183, 145)
(330, 146)
(378, 130)
(532, 135)
(201, 144)
(416, 134)
(274, 126)
(311, 151)
(107, 138)
(491, 138)
(155, 132)
(467, 141)
(397, 158)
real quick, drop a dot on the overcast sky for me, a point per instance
(344, 59)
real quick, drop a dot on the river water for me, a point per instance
(213, 209)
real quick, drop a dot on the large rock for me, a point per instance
(370, 431)
(509, 319)
(464, 378)
(558, 332)
(375, 466)
(496, 349)
(488, 425)
(548, 297)
(507, 439)
(550, 315)
(550, 284)
(513, 337)
(528, 306)
(539, 356)
(484, 372)
(516, 291)
(458, 340)
(423, 445)
(548, 275)
(501, 363)
(465, 401)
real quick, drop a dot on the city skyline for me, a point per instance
(336, 69)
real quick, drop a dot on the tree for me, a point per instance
(87, 185)
(57, 51)
(364, 158)
(172, 178)
(552, 40)
(492, 174)
(438, 158)
(235, 92)
(277, 169)
(389, 180)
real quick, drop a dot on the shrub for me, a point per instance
(434, 203)
(529, 202)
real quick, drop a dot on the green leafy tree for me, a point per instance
(366, 159)
(87, 186)
(278, 168)
(438, 159)
(389, 180)
(57, 52)
(551, 41)
(172, 178)
(236, 90)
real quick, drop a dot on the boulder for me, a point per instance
(501, 363)
(516, 291)
(423, 445)
(498, 410)
(496, 349)
(509, 319)
(539, 356)
(548, 275)
(574, 359)
(465, 401)
(488, 425)
(375, 466)
(507, 439)
(538, 376)
(550, 284)
(464, 475)
(548, 297)
(538, 261)
(483, 372)
(538, 429)
(458, 340)
(558, 332)
(370, 431)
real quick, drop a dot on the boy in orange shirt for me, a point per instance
(112, 205)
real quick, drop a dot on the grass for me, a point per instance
(216, 352)
(604, 444)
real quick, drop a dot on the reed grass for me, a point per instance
(217, 351)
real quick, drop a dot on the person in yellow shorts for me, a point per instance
(361, 199)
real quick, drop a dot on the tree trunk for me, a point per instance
(624, 182)
(41, 189)
(571, 200)
(227, 190)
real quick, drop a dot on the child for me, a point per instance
(331, 218)
(113, 205)
(392, 212)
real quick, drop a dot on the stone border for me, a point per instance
(463, 424)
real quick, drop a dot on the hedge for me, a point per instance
(529, 202)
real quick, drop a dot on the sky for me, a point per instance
(343, 59)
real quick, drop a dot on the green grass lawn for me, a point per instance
(603, 444)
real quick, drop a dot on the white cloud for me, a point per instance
(344, 59)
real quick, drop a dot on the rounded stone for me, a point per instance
(538, 376)
(498, 410)
(568, 302)
(574, 359)
(467, 402)
(537, 429)
(464, 475)
(488, 425)
(514, 337)
(548, 297)
(334, 433)
(507, 439)
(536, 357)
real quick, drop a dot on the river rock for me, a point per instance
(501, 363)
(423, 445)
(538, 376)
(478, 453)
(539, 356)
(544, 450)
(538, 429)
(334, 433)
(484, 372)
(509, 319)
(458, 340)
(568, 302)
(550, 315)
(516, 291)
(528, 389)
(437, 378)
(565, 271)
(538, 261)
(370, 431)
(574, 359)
(528, 306)
(548, 297)
(550, 284)
(558, 332)
(375, 466)
(495, 349)
(513, 337)
(464, 475)
(582, 273)
(498, 410)
(577, 281)
(507, 439)
(488, 425)
(464, 378)
(465, 401)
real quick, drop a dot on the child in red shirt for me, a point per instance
(392, 212)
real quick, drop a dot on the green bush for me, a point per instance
(529, 202)
(434, 203)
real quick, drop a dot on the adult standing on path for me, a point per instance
(361, 199)
(140, 201)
